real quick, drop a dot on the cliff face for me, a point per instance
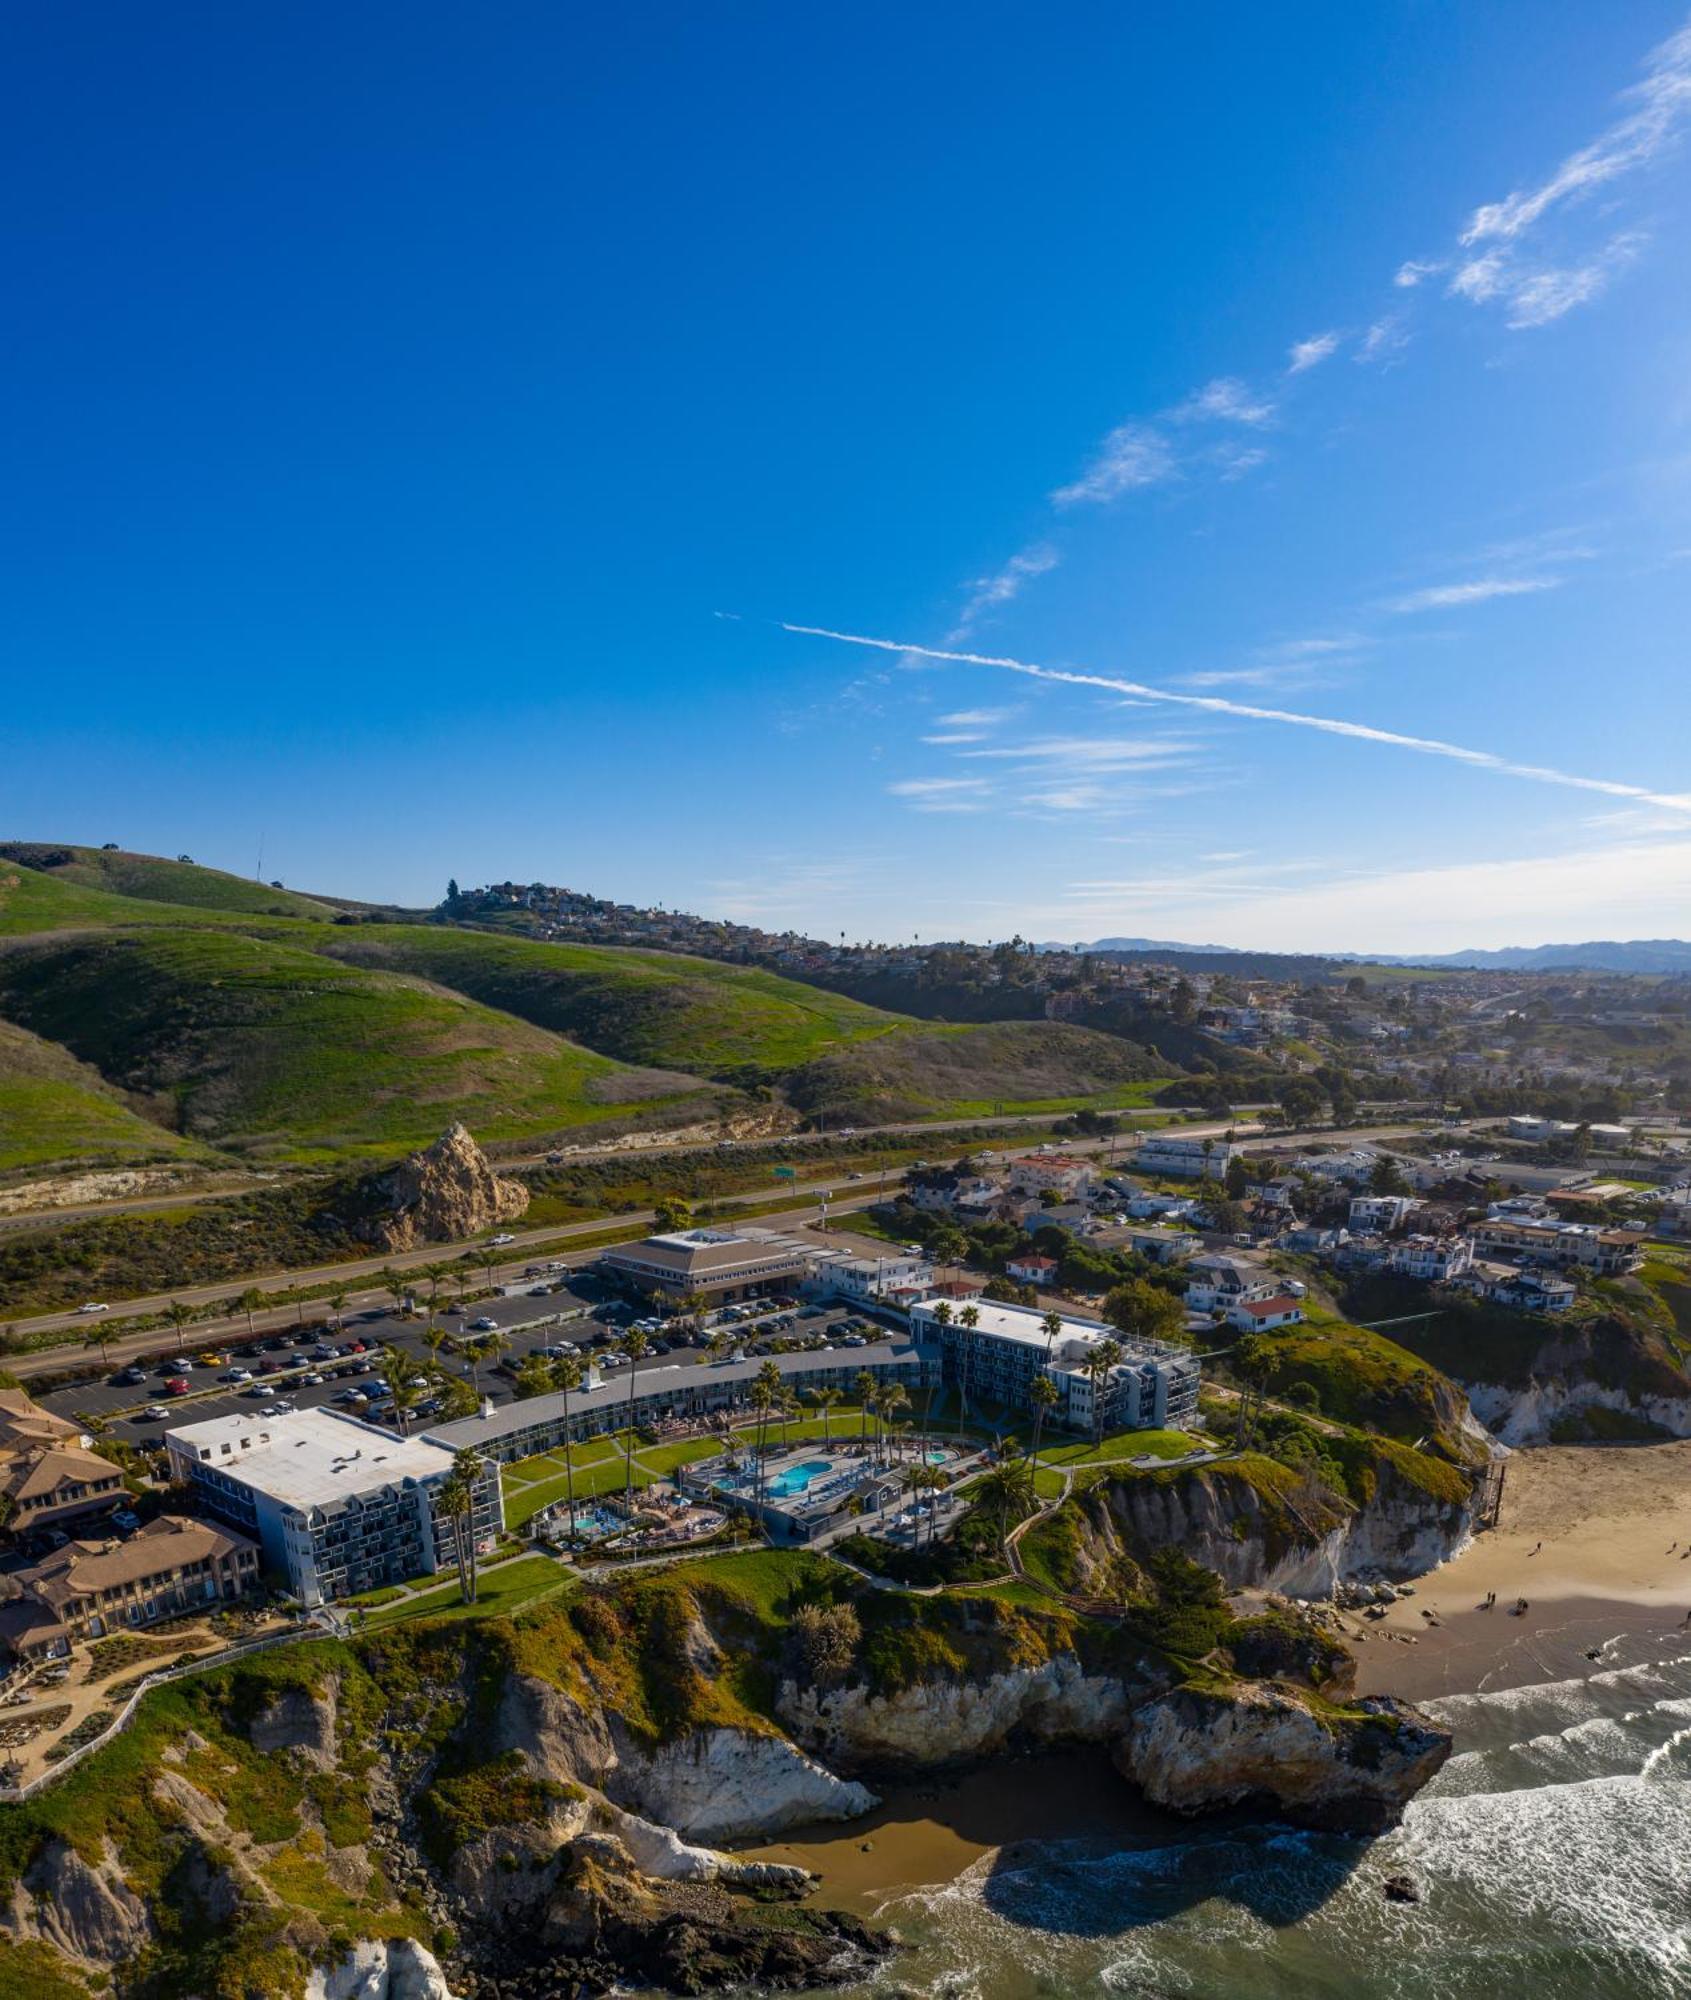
(1352, 1770)
(441, 1195)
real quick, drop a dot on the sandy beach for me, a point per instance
(1596, 1538)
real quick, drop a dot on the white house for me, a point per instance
(1435, 1260)
(1164, 1246)
(1037, 1173)
(1032, 1270)
(1217, 1284)
(1260, 1315)
(1381, 1214)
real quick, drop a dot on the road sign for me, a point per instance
(786, 1173)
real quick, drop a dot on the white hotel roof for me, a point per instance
(312, 1458)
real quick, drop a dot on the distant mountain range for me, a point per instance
(1654, 955)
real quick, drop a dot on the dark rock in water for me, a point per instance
(1401, 1889)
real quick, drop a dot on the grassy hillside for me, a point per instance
(152, 879)
(974, 1070)
(279, 1053)
(640, 1006)
(56, 1112)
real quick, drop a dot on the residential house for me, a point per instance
(1260, 1315)
(1164, 1246)
(1381, 1214)
(89, 1588)
(1055, 1173)
(1435, 1260)
(1522, 1291)
(1217, 1284)
(1161, 1153)
(1561, 1245)
(1032, 1270)
(48, 1475)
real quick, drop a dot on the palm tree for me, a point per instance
(434, 1273)
(1006, 1484)
(634, 1346)
(396, 1373)
(337, 1305)
(890, 1400)
(180, 1318)
(488, 1347)
(1042, 1395)
(864, 1386)
(395, 1283)
(98, 1338)
(969, 1318)
(567, 1376)
(763, 1399)
(249, 1302)
(1053, 1325)
(434, 1339)
(457, 1499)
(1098, 1365)
(461, 1272)
(823, 1400)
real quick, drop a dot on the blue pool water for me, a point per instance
(798, 1477)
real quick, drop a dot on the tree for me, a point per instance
(1099, 1362)
(534, 1376)
(567, 1377)
(337, 1305)
(948, 1246)
(919, 1479)
(634, 1346)
(969, 1318)
(1237, 1179)
(824, 1643)
(674, 1212)
(395, 1283)
(1143, 1311)
(1387, 1177)
(1052, 1325)
(249, 1302)
(823, 1400)
(396, 1373)
(456, 1501)
(863, 1385)
(98, 1338)
(890, 1399)
(1043, 1396)
(1300, 1100)
(179, 1318)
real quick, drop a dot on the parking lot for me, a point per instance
(320, 1363)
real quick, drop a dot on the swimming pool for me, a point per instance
(797, 1478)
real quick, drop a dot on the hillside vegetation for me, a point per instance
(56, 1112)
(264, 1023)
(150, 878)
(275, 1052)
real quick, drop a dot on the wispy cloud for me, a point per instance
(976, 718)
(1225, 400)
(1311, 353)
(1662, 102)
(952, 795)
(1428, 746)
(1413, 271)
(1448, 596)
(1133, 455)
(956, 736)
(1385, 337)
(1094, 753)
(986, 593)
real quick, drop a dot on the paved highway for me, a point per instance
(524, 1247)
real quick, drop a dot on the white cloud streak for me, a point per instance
(1225, 400)
(988, 592)
(1663, 102)
(1447, 596)
(1311, 353)
(1427, 746)
(1133, 455)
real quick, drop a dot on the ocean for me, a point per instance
(1551, 1856)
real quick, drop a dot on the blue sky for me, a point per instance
(425, 424)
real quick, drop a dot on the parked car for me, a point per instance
(177, 1385)
(484, 1325)
(155, 1413)
(130, 1378)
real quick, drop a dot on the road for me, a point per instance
(525, 1244)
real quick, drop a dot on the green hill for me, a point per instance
(57, 1113)
(258, 1021)
(150, 878)
(276, 1052)
(640, 1006)
(973, 1071)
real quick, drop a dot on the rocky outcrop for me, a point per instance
(440, 1195)
(88, 1912)
(398, 1970)
(728, 1784)
(1302, 1547)
(301, 1719)
(1353, 1770)
(1533, 1413)
(949, 1722)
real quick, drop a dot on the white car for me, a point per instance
(92, 1308)
(498, 1242)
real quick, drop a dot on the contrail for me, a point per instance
(1426, 746)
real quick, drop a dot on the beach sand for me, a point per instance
(1594, 1537)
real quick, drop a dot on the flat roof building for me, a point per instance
(339, 1506)
(538, 1423)
(718, 1264)
(1151, 1386)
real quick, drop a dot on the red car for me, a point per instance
(177, 1385)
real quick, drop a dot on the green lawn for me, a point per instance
(1122, 1444)
(502, 1590)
